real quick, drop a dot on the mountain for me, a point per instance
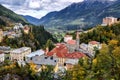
(7, 17)
(112, 10)
(81, 15)
(31, 19)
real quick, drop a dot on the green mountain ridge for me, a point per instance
(81, 15)
(8, 17)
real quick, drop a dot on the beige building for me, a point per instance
(2, 56)
(20, 53)
(110, 20)
(1, 35)
(26, 29)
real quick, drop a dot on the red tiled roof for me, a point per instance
(75, 55)
(61, 51)
(73, 42)
(93, 42)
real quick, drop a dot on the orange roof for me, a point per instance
(93, 42)
(75, 55)
(73, 42)
(61, 51)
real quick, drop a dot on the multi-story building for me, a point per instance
(109, 21)
(2, 56)
(92, 45)
(20, 53)
(1, 35)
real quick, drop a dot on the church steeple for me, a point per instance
(77, 40)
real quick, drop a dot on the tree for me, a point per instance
(49, 44)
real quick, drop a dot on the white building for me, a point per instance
(18, 26)
(92, 45)
(20, 53)
(67, 37)
(2, 56)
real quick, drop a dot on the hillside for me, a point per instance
(7, 17)
(81, 15)
(31, 19)
(36, 39)
(102, 34)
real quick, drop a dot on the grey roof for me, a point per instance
(20, 50)
(36, 53)
(44, 60)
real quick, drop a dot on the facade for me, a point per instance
(2, 56)
(1, 35)
(69, 63)
(109, 21)
(71, 44)
(20, 53)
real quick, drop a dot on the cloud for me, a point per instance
(36, 8)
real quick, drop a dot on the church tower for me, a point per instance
(77, 40)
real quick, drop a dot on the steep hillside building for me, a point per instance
(109, 21)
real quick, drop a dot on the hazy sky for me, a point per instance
(36, 8)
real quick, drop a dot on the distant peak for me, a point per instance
(99, 0)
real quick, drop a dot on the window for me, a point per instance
(51, 57)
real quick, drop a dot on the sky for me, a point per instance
(36, 8)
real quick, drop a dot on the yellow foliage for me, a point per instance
(116, 52)
(104, 49)
(33, 67)
(113, 42)
(94, 61)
